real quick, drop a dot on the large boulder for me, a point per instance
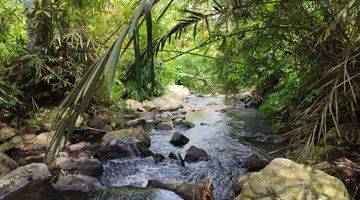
(134, 106)
(186, 190)
(122, 147)
(137, 133)
(169, 102)
(285, 179)
(23, 177)
(178, 90)
(195, 154)
(179, 139)
(78, 182)
(6, 164)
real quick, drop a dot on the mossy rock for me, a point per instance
(285, 179)
(319, 153)
(346, 133)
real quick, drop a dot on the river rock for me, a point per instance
(81, 146)
(134, 106)
(163, 126)
(179, 139)
(6, 133)
(42, 141)
(78, 182)
(158, 158)
(135, 193)
(242, 181)
(169, 102)
(178, 90)
(135, 122)
(6, 164)
(172, 155)
(254, 163)
(122, 147)
(185, 125)
(148, 105)
(82, 164)
(195, 154)
(100, 121)
(137, 133)
(188, 191)
(285, 179)
(23, 177)
(30, 144)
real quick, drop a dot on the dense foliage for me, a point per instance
(301, 57)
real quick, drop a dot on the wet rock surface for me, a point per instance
(163, 126)
(254, 163)
(179, 139)
(134, 193)
(78, 182)
(186, 190)
(122, 147)
(195, 154)
(23, 177)
(7, 164)
(137, 133)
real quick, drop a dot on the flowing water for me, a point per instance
(229, 138)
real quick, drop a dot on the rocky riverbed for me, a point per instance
(175, 147)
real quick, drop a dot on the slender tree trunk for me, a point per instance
(38, 24)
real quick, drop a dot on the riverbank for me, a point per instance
(174, 147)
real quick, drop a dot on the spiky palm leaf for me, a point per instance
(79, 98)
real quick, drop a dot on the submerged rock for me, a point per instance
(254, 163)
(188, 191)
(285, 179)
(122, 147)
(134, 193)
(172, 155)
(179, 139)
(158, 158)
(76, 182)
(195, 154)
(137, 133)
(7, 164)
(23, 177)
(185, 125)
(163, 126)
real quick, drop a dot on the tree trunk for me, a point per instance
(38, 24)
